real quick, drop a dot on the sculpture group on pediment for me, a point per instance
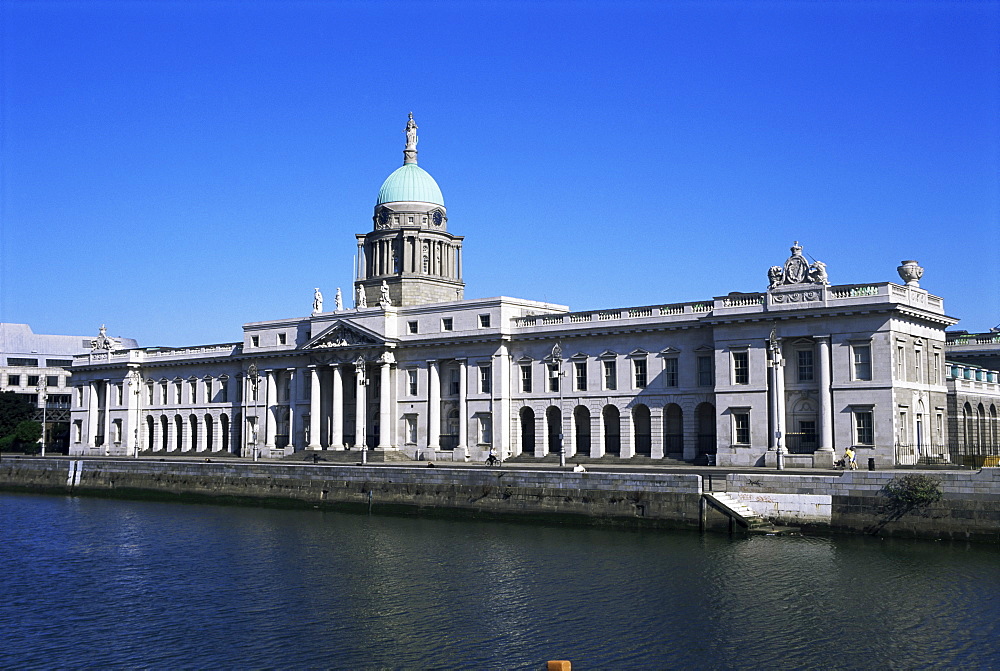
(797, 270)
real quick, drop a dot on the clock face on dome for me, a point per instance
(437, 218)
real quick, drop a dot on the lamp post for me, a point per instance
(253, 378)
(774, 345)
(43, 398)
(557, 375)
(135, 382)
(360, 418)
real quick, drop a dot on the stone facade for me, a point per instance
(793, 374)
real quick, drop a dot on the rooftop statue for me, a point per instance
(362, 301)
(797, 270)
(317, 301)
(338, 301)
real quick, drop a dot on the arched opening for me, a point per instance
(164, 433)
(981, 429)
(193, 422)
(150, 438)
(705, 419)
(553, 422)
(209, 433)
(581, 425)
(527, 430)
(611, 419)
(642, 430)
(995, 442)
(178, 433)
(968, 427)
(224, 433)
(673, 431)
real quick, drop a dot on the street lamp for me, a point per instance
(253, 377)
(774, 345)
(359, 429)
(557, 375)
(43, 398)
(135, 381)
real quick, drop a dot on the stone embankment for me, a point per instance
(849, 502)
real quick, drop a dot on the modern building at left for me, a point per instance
(37, 367)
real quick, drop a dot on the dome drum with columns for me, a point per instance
(409, 247)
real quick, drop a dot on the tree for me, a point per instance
(14, 409)
(26, 435)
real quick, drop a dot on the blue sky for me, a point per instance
(175, 169)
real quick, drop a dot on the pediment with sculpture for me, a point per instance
(343, 334)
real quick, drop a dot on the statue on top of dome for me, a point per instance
(410, 152)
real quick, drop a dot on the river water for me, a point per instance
(93, 583)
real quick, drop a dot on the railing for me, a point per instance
(801, 443)
(975, 339)
(744, 300)
(906, 455)
(631, 313)
(854, 291)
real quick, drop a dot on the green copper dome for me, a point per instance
(410, 182)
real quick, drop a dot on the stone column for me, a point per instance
(269, 409)
(779, 405)
(314, 409)
(501, 407)
(463, 407)
(107, 416)
(433, 406)
(627, 429)
(385, 402)
(825, 395)
(337, 409)
(360, 411)
(92, 414)
(598, 440)
(293, 398)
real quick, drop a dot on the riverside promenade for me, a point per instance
(641, 495)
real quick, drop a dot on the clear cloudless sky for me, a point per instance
(175, 169)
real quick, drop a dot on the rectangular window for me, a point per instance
(119, 393)
(13, 380)
(526, 378)
(580, 374)
(900, 363)
(411, 429)
(741, 368)
(639, 371)
(706, 371)
(194, 392)
(411, 382)
(610, 375)
(17, 361)
(904, 433)
(282, 339)
(864, 427)
(447, 324)
(177, 393)
(411, 327)
(741, 427)
(670, 372)
(484, 321)
(58, 363)
(805, 365)
(163, 393)
(453, 381)
(554, 376)
(116, 431)
(937, 369)
(939, 430)
(51, 380)
(917, 368)
(486, 429)
(485, 379)
(255, 341)
(224, 390)
(149, 394)
(33, 380)
(862, 362)
(208, 391)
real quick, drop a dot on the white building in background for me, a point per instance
(803, 369)
(37, 367)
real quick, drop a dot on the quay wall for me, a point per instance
(845, 502)
(852, 501)
(646, 499)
